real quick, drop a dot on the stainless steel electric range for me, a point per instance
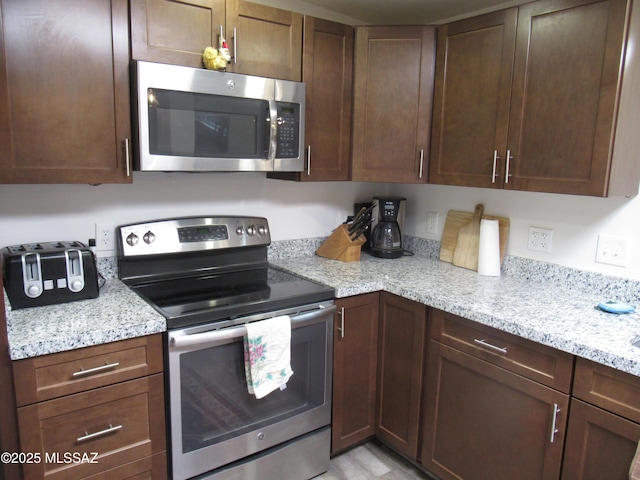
(209, 277)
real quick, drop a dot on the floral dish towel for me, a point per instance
(267, 355)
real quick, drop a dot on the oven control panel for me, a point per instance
(192, 234)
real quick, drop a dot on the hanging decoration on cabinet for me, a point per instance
(217, 58)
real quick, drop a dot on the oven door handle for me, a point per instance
(226, 334)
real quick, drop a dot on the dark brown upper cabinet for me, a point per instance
(263, 40)
(393, 93)
(64, 91)
(539, 98)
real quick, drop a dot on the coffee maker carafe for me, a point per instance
(386, 234)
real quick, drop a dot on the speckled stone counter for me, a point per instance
(117, 314)
(547, 313)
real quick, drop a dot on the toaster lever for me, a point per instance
(31, 274)
(75, 272)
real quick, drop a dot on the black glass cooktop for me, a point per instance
(213, 297)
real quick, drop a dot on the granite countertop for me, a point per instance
(544, 312)
(117, 314)
(553, 315)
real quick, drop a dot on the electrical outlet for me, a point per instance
(613, 250)
(432, 222)
(105, 237)
(540, 239)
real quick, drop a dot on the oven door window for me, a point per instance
(215, 402)
(211, 126)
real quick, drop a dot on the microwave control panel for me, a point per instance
(288, 142)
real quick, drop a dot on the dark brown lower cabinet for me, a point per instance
(604, 423)
(400, 363)
(483, 422)
(599, 444)
(355, 355)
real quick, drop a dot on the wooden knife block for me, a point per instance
(339, 246)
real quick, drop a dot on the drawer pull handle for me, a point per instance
(91, 371)
(106, 431)
(488, 345)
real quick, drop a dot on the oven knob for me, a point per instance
(260, 436)
(262, 230)
(239, 230)
(132, 239)
(251, 230)
(149, 237)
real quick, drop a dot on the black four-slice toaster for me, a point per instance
(49, 272)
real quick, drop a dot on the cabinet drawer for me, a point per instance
(608, 388)
(120, 423)
(51, 376)
(149, 468)
(532, 360)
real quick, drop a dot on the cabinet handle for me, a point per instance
(494, 174)
(421, 162)
(127, 156)
(554, 422)
(488, 345)
(341, 327)
(308, 160)
(235, 45)
(106, 431)
(506, 170)
(82, 372)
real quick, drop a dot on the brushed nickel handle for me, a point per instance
(83, 373)
(308, 160)
(554, 422)
(506, 171)
(494, 173)
(421, 162)
(106, 431)
(341, 327)
(235, 45)
(486, 344)
(127, 156)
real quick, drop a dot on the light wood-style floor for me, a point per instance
(370, 461)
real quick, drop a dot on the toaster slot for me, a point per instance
(75, 271)
(31, 274)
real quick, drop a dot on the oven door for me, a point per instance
(215, 421)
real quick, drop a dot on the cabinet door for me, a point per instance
(355, 348)
(486, 423)
(327, 69)
(265, 41)
(175, 32)
(471, 100)
(65, 91)
(393, 93)
(400, 359)
(565, 95)
(599, 444)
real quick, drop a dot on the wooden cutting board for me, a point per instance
(455, 221)
(466, 252)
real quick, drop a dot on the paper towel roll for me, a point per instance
(489, 248)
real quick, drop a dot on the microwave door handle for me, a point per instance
(273, 131)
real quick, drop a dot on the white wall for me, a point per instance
(32, 213)
(576, 221)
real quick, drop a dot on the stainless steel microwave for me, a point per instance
(197, 120)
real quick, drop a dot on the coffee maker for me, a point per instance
(386, 229)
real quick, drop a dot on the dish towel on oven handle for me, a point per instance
(267, 355)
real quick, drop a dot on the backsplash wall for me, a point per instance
(30, 213)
